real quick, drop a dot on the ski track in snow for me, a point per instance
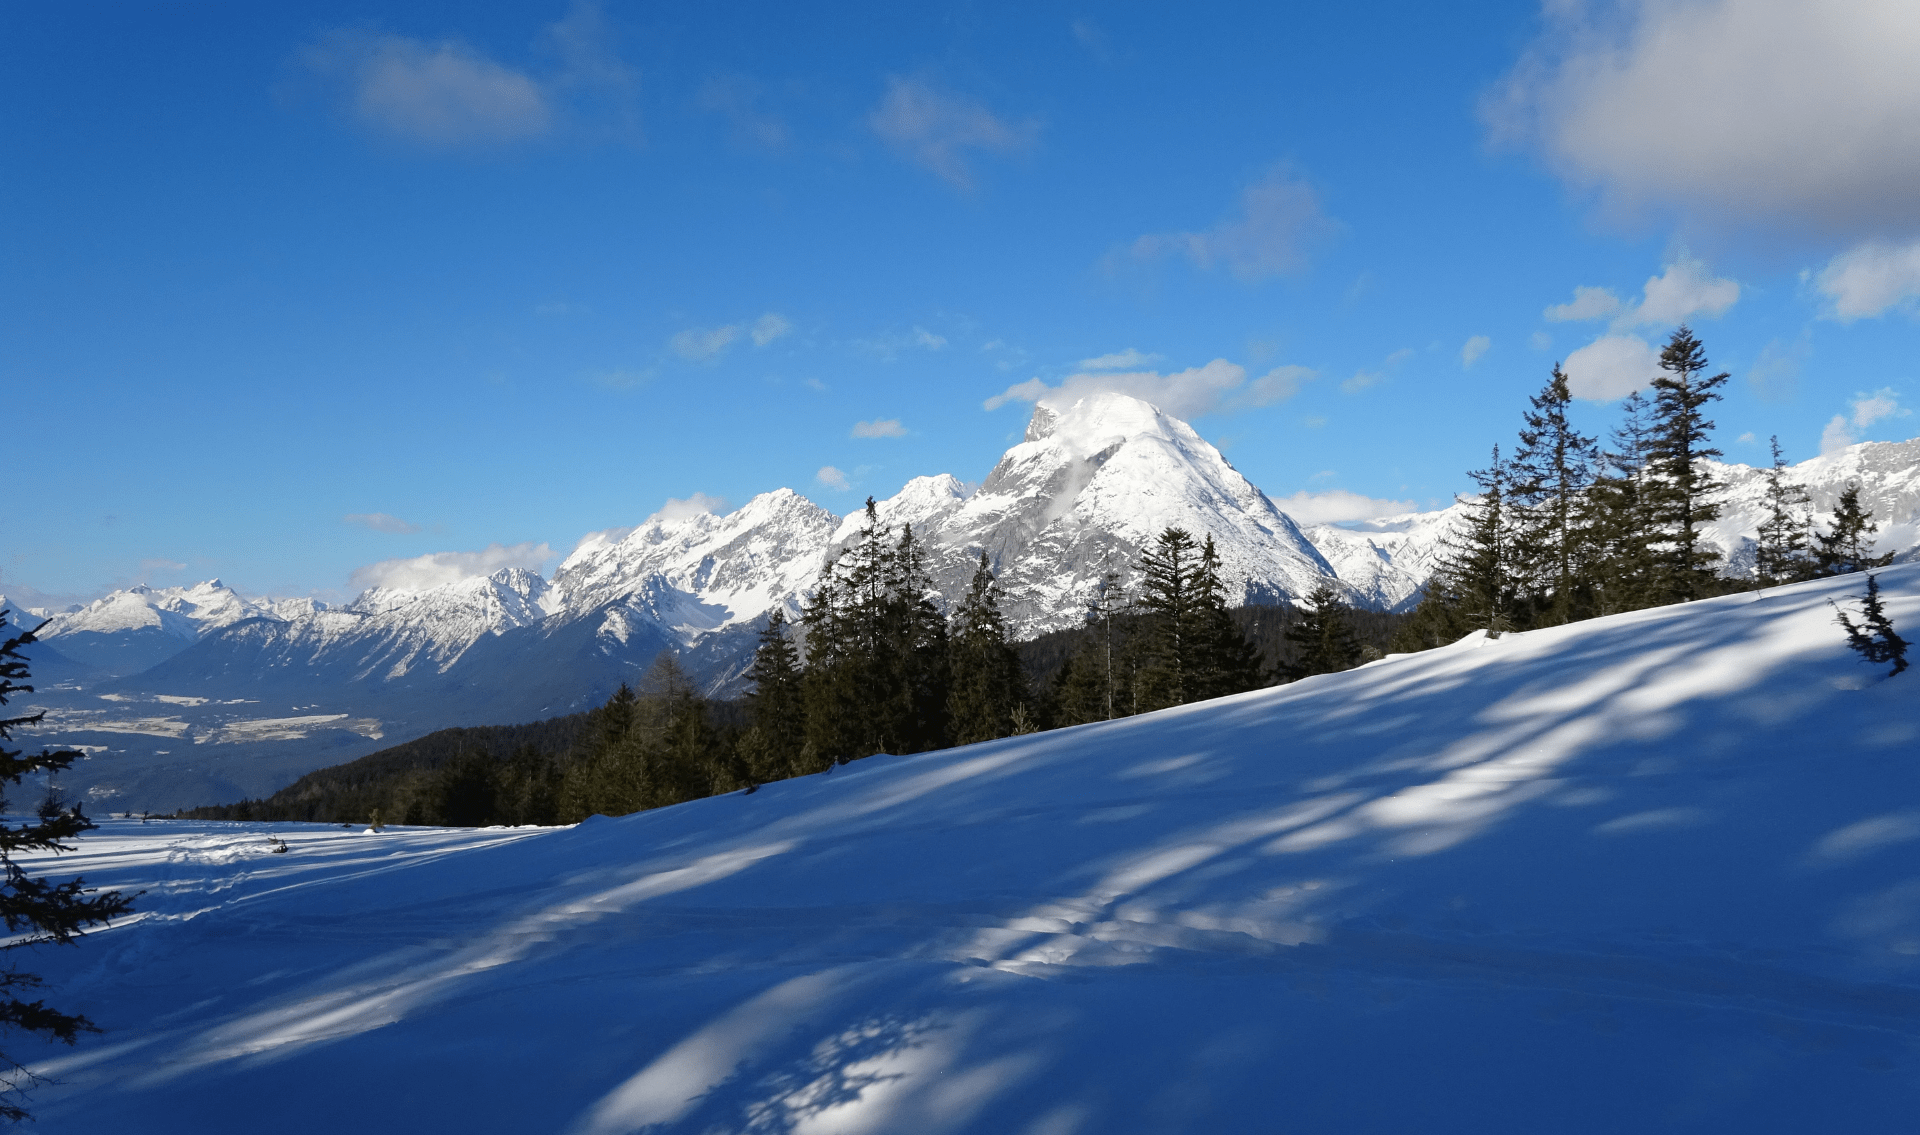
(1658, 872)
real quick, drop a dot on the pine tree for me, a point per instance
(1551, 474)
(1323, 636)
(1169, 572)
(1616, 523)
(1473, 585)
(1780, 555)
(987, 682)
(775, 706)
(1874, 637)
(1680, 488)
(1226, 662)
(1107, 601)
(37, 911)
(915, 658)
(1847, 546)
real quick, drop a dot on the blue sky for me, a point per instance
(290, 290)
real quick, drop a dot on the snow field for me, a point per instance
(1656, 873)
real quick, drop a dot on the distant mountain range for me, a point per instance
(1083, 493)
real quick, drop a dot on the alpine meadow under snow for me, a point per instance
(1650, 872)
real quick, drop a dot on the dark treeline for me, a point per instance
(873, 666)
(1565, 528)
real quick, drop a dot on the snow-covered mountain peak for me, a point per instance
(731, 567)
(922, 502)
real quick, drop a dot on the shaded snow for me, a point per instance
(1655, 872)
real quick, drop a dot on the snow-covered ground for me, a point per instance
(1659, 872)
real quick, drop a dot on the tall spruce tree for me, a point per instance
(1169, 575)
(919, 654)
(1475, 576)
(1780, 553)
(1551, 473)
(1847, 545)
(1680, 488)
(36, 910)
(1322, 636)
(1226, 661)
(1617, 525)
(775, 707)
(988, 684)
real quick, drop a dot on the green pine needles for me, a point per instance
(37, 911)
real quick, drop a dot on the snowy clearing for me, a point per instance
(1659, 872)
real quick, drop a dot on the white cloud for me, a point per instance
(832, 478)
(1836, 435)
(1119, 360)
(1337, 505)
(887, 346)
(381, 522)
(1277, 385)
(1472, 350)
(443, 93)
(1588, 303)
(1794, 113)
(1362, 379)
(1869, 278)
(419, 573)
(884, 427)
(1219, 385)
(1866, 409)
(937, 129)
(1685, 289)
(449, 93)
(1612, 366)
(1540, 340)
(695, 505)
(704, 344)
(769, 327)
(1279, 220)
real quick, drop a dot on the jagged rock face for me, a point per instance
(1387, 561)
(1888, 473)
(1089, 488)
(701, 572)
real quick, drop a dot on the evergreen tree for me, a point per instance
(1323, 636)
(1780, 555)
(1105, 651)
(988, 684)
(37, 911)
(1847, 546)
(775, 706)
(1551, 474)
(1874, 637)
(1616, 523)
(1473, 586)
(1169, 574)
(1679, 487)
(1225, 660)
(915, 658)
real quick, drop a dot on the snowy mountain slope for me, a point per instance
(129, 630)
(1091, 486)
(1651, 873)
(1888, 473)
(1388, 560)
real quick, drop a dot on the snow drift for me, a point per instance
(1656, 872)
